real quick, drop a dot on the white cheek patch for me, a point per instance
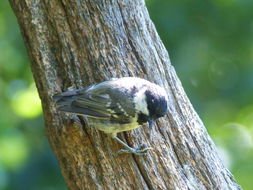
(140, 101)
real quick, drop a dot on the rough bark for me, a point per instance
(79, 42)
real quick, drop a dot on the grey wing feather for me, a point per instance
(96, 101)
(79, 102)
(82, 111)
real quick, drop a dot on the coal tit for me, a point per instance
(117, 105)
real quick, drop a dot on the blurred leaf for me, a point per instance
(245, 116)
(26, 103)
(13, 151)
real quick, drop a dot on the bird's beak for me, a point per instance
(150, 124)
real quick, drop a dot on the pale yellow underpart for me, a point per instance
(115, 128)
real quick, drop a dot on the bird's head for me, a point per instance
(156, 101)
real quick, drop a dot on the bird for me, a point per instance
(117, 105)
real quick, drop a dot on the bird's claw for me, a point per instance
(142, 149)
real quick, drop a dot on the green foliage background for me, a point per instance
(211, 46)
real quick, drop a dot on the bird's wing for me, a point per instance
(93, 103)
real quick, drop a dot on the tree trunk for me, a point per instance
(80, 42)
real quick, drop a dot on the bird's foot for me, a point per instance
(142, 149)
